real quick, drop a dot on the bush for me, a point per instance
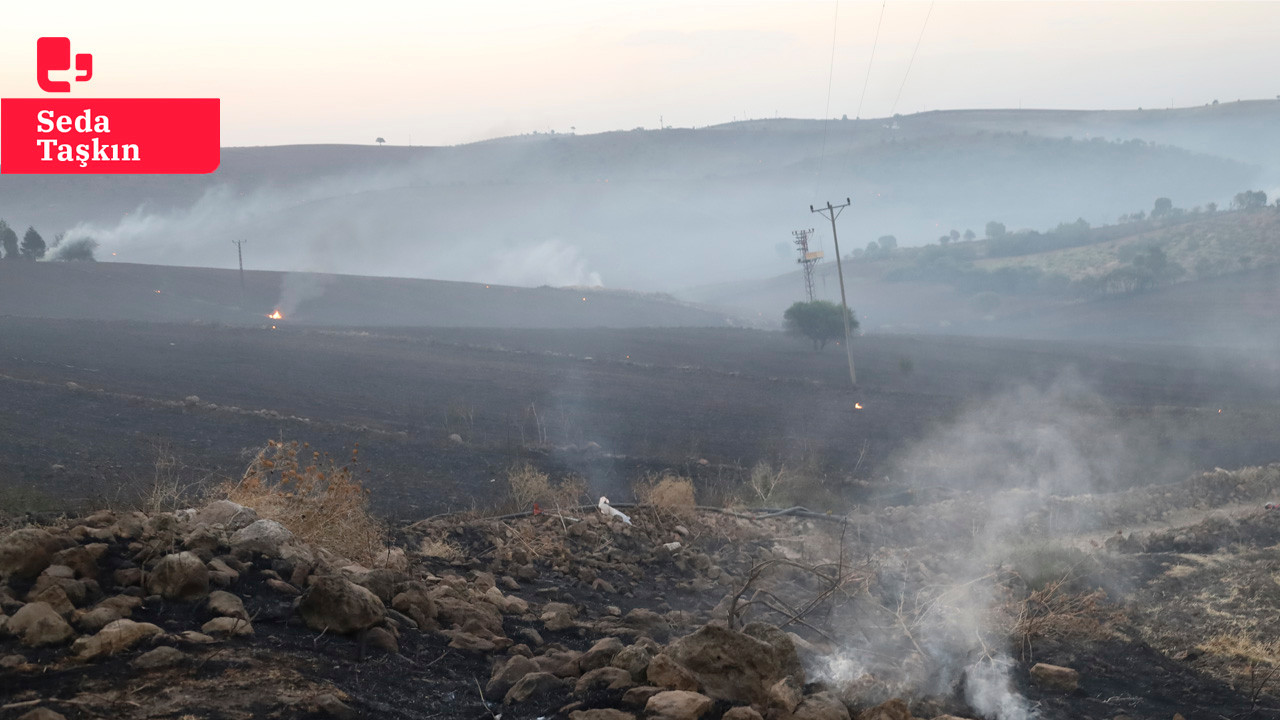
(320, 502)
(528, 485)
(671, 496)
(819, 321)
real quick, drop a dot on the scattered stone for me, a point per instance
(282, 587)
(1055, 677)
(180, 576)
(94, 620)
(8, 662)
(382, 639)
(328, 705)
(231, 516)
(736, 666)
(42, 714)
(191, 637)
(227, 627)
(639, 696)
(667, 673)
(894, 709)
(261, 536)
(635, 660)
(600, 655)
(677, 705)
(416, 604)
(601, 714)
(39, 624)
(786, 694)
(224, 603)
(127, 576)
(25, 553)
(338, 605)
(558, 616)
(603, 679)
(507, 674)
(80, 559)
(462, 640)
(533, 685)
(161, 657)
(114, 638)
(742, 712)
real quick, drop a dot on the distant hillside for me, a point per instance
(122, 291)
(657, 209)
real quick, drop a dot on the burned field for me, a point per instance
(97, 411)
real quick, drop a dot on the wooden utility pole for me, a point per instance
(240, 255)
(831, 212)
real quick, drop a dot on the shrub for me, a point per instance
(528, 485)
(319, 501)
(670, 496)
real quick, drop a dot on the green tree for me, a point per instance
(33, 246)
(888, 242)
(819, 321)
(970, 235)
(1163, 206)
(1250, 200)
(995, 230)
(8, 241)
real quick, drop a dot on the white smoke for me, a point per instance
(551, 262)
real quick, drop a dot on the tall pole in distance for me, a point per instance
(240, 255)
(831, 212)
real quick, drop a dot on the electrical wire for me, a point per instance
(911, 62)
(826, 113)
(874, 43)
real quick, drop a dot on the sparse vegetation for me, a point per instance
(528, 485)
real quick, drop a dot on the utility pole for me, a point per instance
(807, 258)
(831, 212)
(240, 255)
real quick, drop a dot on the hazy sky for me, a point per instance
(452, 72)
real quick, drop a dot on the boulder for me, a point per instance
(603, 679)
(600, 655)
(558, 616)
(225, 604)
(116, 637)
(601, 714)
(25, 553)
(415, 603)
(92, 621)
(79, 558)
(1055, 677)
(328, 705)
(37, 624)
(737, 666)
(742, 712)
(180, 576)
(507, 674)
(262, 536)
(43, 713)
(161, 657)
(534, 685)
(338, 605)
(821, 706)
(677, 705)
(227, 627)
(667, 673)
(894, 709)
(231, 516)
(635, 660)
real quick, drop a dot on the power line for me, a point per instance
(831, 212)
(826, 113)
(911, 62)
(867, 80)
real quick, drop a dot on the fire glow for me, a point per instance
(276, 315)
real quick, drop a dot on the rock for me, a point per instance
(600, 655)
(127, 576)
(455, 438)
(191, 637)
(130, 526)
(667, 673)
(55, 597)
(227, 627)
(1055, 677)
(282, 587)
(381, 582)
(231, 516)
(99, 617)
(79, 558)
(507, 674)
(534, 685)
(25, 553)
(8, 662)
(786, 694)
(116, 637)
(42, 714)
(894, 709)
(558, 616)
(479, 618)
(262, 536)
(603, 679)
(742, 712)
(380, 638)
(224, 603)
(735, 666)
(338, 605)
(463, 640)
(639, 696)
(415, 603)
(123, 604)
(161, 657)
(180, 576)
(328, 705)
(635, 660)
(37, 624)
(677, 705)
(601, 714)
(822, 706)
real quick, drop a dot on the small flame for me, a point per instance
(857, 406)
(276, 315)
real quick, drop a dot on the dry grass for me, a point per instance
(670, 497)
(319, 501)
(446, 550)
(528, 485)
(1053, 611)
(765, 482)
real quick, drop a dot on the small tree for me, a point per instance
(1250, 200)
(888, 242)
(8, 241)
(819, 321)
(1163, 206)
(995, 230)
(33, 246)
(970, 235)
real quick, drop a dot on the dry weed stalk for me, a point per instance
(320, 502)
(1053, 611)
(669, 497)
(528, 485)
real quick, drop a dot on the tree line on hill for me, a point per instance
(33, 246)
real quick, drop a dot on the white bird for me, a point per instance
(609, 510)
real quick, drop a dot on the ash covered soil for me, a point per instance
(93, 409)
(882, 614)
